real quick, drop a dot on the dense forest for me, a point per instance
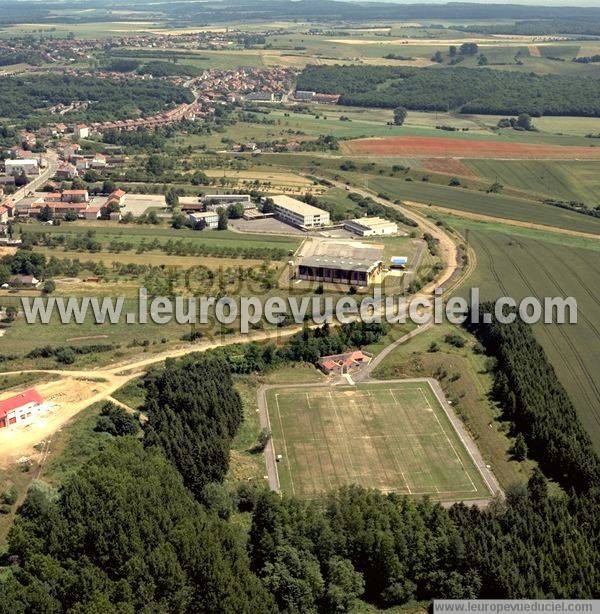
(466, 90)
(194, 432)
(169, 69)
(150, 526)
(22, 97)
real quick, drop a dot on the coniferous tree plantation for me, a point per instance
(193, 413)
(141, 528)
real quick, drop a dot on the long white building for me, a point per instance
(297, 213)
(29, 166)
(371, 226)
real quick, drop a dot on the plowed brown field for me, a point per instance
(420, 146)
(448, 166)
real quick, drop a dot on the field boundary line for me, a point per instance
(482, 217)
(467, 441)
(325, 442)
(287, 455)
(343, 433)
(460, 460)
(394, 452)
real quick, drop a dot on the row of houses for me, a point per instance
(73, 201)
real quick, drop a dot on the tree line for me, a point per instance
(88, 242)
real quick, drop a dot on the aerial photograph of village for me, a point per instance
(299, 306)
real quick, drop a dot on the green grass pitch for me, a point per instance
(393, 436)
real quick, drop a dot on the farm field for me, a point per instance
(393, 436)
(568, 180)
(496, 205)
(105, 231)
(520, 263)
(464, 148)
(150, 259)
(264, 177)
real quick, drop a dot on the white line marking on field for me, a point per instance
(287, 455)
(449, 441)
(394, 453)
(342, 434)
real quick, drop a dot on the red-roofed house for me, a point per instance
(118, 196)
(52, 197)
(93, 212)
(343, 363)
(21, 408)
(75, 196)
(66, 171)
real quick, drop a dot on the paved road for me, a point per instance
(49, 171)
(365, 374)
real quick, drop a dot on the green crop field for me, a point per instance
(496, 205)
(518, 263)
(564, 179)
(394, 436)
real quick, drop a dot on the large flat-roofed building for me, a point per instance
(297, 213)
(337, 261)
(346, 271)
(371, 226)
(27, 166)
(206, 219)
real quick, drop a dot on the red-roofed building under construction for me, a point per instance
(22, 408)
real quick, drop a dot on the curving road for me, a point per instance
(108, 379)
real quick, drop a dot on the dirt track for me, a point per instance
(77, 390)
(501, 220)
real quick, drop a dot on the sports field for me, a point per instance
(393, 436)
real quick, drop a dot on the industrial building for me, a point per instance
(335, 261)
(371, 226)
(206, 219)
(21, 408)
(295, 212)
(27, 166)
(340, 270)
